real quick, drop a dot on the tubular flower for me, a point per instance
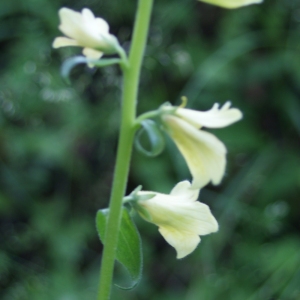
(232, 3)
(204, 154)
(84, 30)
(180, 218)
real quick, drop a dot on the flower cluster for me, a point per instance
(180, 218)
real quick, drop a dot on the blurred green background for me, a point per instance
(58, 144)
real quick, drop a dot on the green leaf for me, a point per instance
(70, 63)
(156, 139)
(129, 250)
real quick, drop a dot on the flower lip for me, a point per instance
(202, 151)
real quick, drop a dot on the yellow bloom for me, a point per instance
(180, 218)
(205, 155)
(84, 30)
(232, 3)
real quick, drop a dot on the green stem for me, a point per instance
(127, 130)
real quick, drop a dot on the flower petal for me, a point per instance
(185, 237)
(168, 211)
(184, 191)
(88, 15)
(232, 3)
(102, 25)
(206, 222)
(70, 22)
(214, 118)
(184, 244)
(91, 24)
(91, 53)
(203, 152)
(63, 42)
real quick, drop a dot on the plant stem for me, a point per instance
(127, 130)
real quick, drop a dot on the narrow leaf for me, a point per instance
(129, 252)
(156, 139)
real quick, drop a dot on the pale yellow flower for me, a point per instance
(204, 154)
(85, 30)
(180, 217)
(232, 3)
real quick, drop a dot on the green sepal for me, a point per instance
(129, 246)
(142, 211)
(134, 196)
(71, 62)
(156, 139)
(136, 190)
(145, 197)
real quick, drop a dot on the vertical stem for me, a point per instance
(128, 114)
